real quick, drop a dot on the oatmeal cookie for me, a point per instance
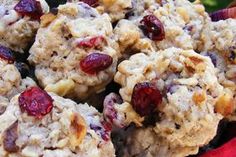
(74, 53)
(18, 24)
(55, 127)
(218, 42)
(170, 23)
(176, 93)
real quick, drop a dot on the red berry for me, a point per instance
(152, 28)
(104, 130)
(109, 111)
(92, 3)
(91, 42)
(31, 8)
(6, 54)
(223, 14)
(145, 98)
(95, 63)
(36, 102)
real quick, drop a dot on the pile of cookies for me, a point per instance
(105, 78)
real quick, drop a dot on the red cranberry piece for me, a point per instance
(223, 14)
(109, 112)
(10, 136)
(103, 131)
(95, 63)
(36, 102)
(91, 42)
(152, 28)
(31, 8)
(145, 98)
(6, 54)
(92, 3)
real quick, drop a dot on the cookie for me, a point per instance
(175, 94)
(54, 127)
(74, 52)
(218, 42)
(18, 24)
(172, 23)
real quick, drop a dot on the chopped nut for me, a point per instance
(61, 88)
(10, 136)
(199, 97)
(77, 130)
(184, 13)
(47, 19)
(192, 64)
(224, 104)
(108, 3)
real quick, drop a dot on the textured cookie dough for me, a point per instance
(16, 31)
(182, 20)
(11, 82)
(56, 52)
(191, 95)
(64, 132)
(219, 41)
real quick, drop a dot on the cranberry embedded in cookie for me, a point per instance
(35, 102)
(6, 54)
(95, 63)
(92, 3)
(145, 98)
(152, 27)
(31, 8)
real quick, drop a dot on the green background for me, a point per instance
(213, 5)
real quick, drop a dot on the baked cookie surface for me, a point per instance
(179, 91)
(57, 128)
(74, 52)
(18, 25)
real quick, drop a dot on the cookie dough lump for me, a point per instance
(74, 52)
(19, 21)
(173, 92)
(37, 123)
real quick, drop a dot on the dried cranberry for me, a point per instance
(223, 14)
(109, 112)
(145, 98)
(10, 136)
(31, 8)
(92, 3)
(6, 54)
(91, 42)
(152, 28)
(36, 102)
(104, 131)
(95, 63)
